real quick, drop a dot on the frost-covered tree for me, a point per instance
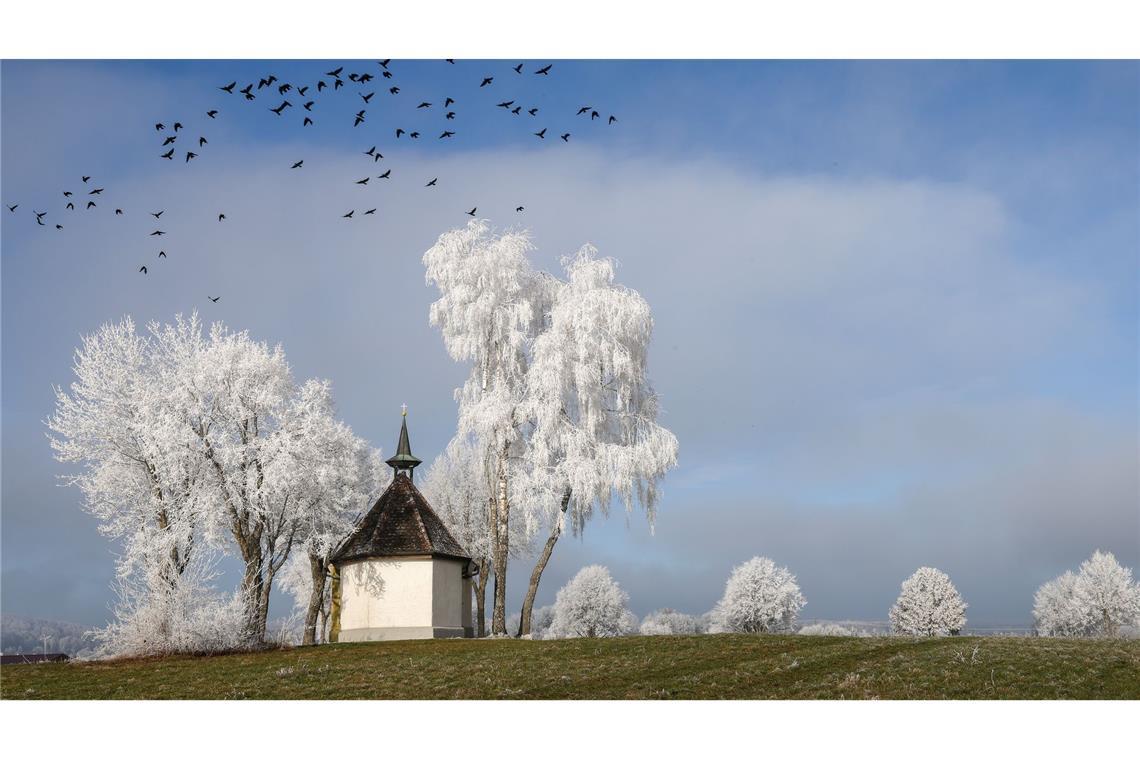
(929, 605)
(759, 597)
(489, 309)
(591, 605)
(826, 629)
(1059, 611)
(185, 438)
(667, 622)
(592, 409)
(1108, 591)
(558, 401)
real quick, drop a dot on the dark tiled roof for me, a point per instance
(400, 523)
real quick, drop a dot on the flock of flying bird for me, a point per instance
(308, 101)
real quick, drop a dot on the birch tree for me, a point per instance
(488, 312)
(591, 407)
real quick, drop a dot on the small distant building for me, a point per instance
(400, 574)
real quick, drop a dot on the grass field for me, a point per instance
(675, 667)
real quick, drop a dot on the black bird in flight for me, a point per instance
(384, 63)
(201, 141)
(59, 226)
(321, 85)
(414, 135)
(284, 88)
(298, 164)
(359, 118)
(157, 214)
(213, 298)
(169, 140)
(90, 204)
(247, 92)
(85, 179)
(157, 232)
(472, 211)
(349, 214)
(190, 155)
(450, 60)
(612, 119)
(565, 137)
(506, 104)
(450, 115)
(545, 69)
(394, 90)
(516, 110)
(177, 126)
(168, 154)
(263, 82)
(371, 151)
(118, 212)
(593, 115)
(582, 110)
(447, 102)
(229, 87)
(337, 84)
(162, 254)
(142, 269)
(211, 114)
(446, 134)
(302, 90)
(221, 217)
(424, 104)
(96, 191)
(159, 127)
(432, 183)
(365, 78)
(486, 81)
(335, 72)
(363, 181)
(13, 208)
(385, 175)
(284, 104)
(518, 209)
(386, 74)
(306, 122)
(399, 132)
(40, 214)
(367, 97)
(70, 206)
(532, 111)
(518, 69)
(370, 211)
(541, 134)
(66, 193)
(308, 106)
(353, 76)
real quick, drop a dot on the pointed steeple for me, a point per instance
(404, 461)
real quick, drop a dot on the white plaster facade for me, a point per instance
(421, 597)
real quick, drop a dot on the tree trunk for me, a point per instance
(502, 549)
(540, 566)
(481, 597)
(252, 584)
(317, 569)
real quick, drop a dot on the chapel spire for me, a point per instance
(404, 461)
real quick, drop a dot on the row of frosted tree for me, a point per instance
(193, 444)
(761, 597)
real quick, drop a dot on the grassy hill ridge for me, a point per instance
(640, 667)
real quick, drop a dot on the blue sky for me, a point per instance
(895, 302)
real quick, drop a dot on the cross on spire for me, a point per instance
(404, 461)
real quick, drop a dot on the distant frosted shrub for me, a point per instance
(1100, 600)
(929, 605)
(759, 597)
(826, 629)
(591, 605)
(667, 622)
